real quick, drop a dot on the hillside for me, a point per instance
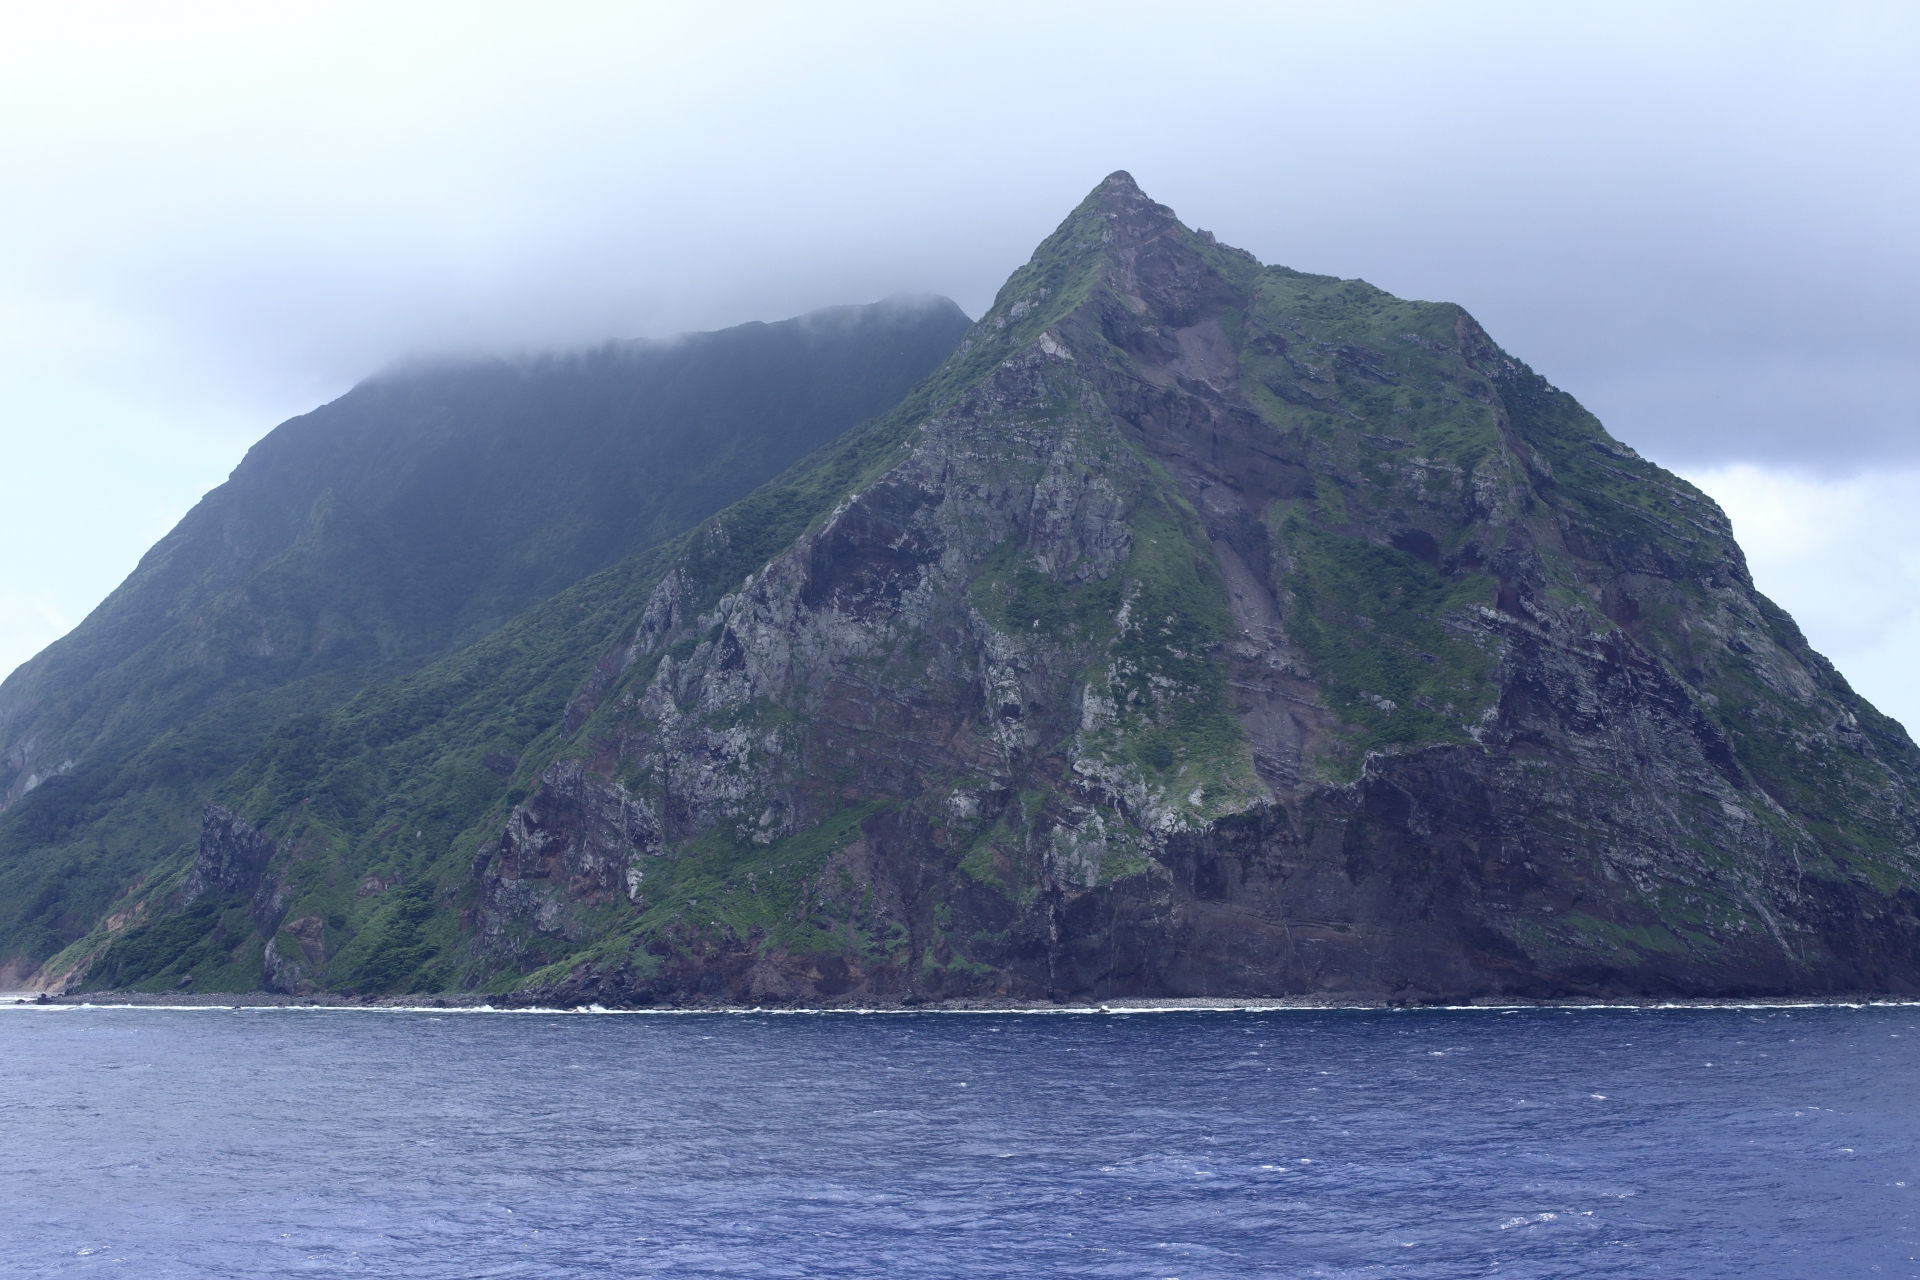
(403, 521)
(1198, 628)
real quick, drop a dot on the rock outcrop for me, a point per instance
(232, 859)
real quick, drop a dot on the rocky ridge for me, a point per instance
(1218, 630)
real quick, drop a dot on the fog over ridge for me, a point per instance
(1695, 218)
(838, 314)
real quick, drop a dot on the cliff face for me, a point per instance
(1211, 629)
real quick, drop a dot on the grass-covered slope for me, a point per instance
(415, 514)
(399, 786)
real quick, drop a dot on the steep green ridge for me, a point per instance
(396, 786)
(446, 751)
(404, 520)
(1198, 628)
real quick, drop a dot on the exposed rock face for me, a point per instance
(577, 845)
(1214, 629)
(233, 857)
(290, 968)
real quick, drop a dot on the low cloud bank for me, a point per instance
(1842, 555)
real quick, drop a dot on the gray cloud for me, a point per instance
(1697, 218)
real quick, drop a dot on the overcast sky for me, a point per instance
(1698, 219)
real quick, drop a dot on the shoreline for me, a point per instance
(514, 1003)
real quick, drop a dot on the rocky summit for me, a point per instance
(1198, 628)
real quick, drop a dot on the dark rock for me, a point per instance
(233, 856)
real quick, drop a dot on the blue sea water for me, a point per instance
(1542, 1142)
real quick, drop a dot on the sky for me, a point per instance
(1700, 219)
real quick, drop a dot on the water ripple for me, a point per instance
(1441, 1143)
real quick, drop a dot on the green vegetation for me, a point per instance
(1168, 663)
(1374, 624)
(393, 948)
(205, 947)
(1017, 597)
(356, 544)
(785, 892)
(777, 888)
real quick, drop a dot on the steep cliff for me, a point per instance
(1213, 629)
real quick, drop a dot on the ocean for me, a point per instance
(1591, 1142)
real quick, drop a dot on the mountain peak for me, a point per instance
(1119, 199)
